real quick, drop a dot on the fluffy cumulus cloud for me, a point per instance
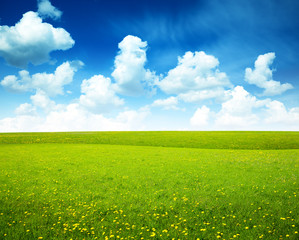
(98, 94)
(46, 9)
(32, 40)
(21, 123)
(245, 112)
(261, 76)
(237, 112)
(201, 117)
(194, 72)
(277, 114)
(130, 74)
(167, 104)
(21, 84)
(42, 100)
(26, 109)
(99, 107)
(74, 118)
(50, 83)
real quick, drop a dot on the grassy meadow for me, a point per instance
(149, 185)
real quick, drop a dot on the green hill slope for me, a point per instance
(184, 139)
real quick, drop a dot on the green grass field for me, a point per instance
(149, 185)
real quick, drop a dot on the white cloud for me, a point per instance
(241, 102)
(237, 112)
(167, 104)
(201, 117)
(195, 79)
(32, 40)
(46, 9)
(26, 109)
(131, 77)
(261, 76)
(98, 94)
(75, 118)
(278, 114)
(21, 123)
(52, 84)
(195, 71)
(245, 112)
(12, 83)
(198, 96)
(41, 100)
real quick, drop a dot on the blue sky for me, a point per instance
(149, 65)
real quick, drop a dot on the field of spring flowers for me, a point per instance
(155, 185)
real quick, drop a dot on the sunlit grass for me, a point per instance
(205, 140)
(93, 191)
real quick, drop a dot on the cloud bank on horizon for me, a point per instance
(195, 94)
